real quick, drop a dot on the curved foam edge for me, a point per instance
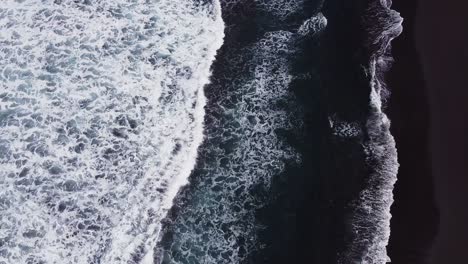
(215, 220)
(371, 218)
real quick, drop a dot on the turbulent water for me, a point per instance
(102, 121)
(371, 217)
(101, 115)
(215, 220)
(250, 103)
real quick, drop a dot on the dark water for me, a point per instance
(295, 211)
(318, 201)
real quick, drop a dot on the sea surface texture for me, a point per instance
(101, 115)
(249, 103)
(195, 131)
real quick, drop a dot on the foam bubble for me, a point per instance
(313, 25)
(344, 129)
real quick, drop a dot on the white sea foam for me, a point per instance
(313, 25)
(371, 218)
(344, 129)
(243, 152)
(101, 115)
(281, 9)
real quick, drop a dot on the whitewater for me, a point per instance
(370, 219)
(101, 115)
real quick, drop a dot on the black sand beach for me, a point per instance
(428, 111)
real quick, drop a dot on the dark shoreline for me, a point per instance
(430, 96)
(414, 214)
(318, 196)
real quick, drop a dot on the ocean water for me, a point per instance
(237, 208)
(188, 131)
(249, 104)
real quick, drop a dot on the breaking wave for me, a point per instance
(370, 219)
(250, 105)
(101, 115)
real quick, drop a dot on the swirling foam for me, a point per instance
(250, 102)
(217, 223)
(371, 216)
(101, 115)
